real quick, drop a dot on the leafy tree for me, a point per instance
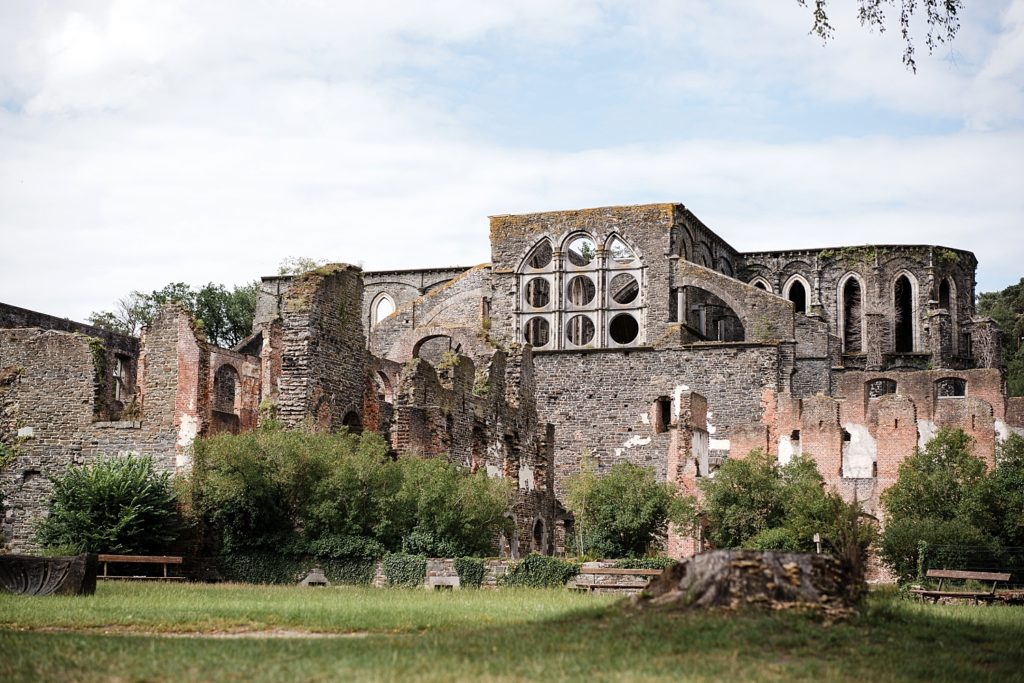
(946, 503)
(115, 505)
(754, 503)
(341, 496)
(623, 513)
(942, 16)
(225, 315)
(297, 265)
(1006, 307)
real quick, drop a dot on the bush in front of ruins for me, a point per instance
(404, 569)
(471, 571)
(339, 497)
(540, 571)
(755, 503)
(114, 505)
(624, 513)
(947, 511)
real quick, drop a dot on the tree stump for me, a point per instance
(733, 579)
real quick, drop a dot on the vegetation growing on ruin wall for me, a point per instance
(1007, 309)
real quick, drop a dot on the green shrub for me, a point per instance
(114, 505)
(645, 563)
(623, 513)
(271, 568)
(540, 571)
(471, 571)
(754, 503)
(402, 569)
(341, 496)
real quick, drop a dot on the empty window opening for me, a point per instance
(353, 422)
(384, 387)
(539, 540)
(903, 301)
(623, 288)
(582, 251)
(951, 387)
(798, 295)
(580, 291)
(662, 414)
(537, 332)
(540, 257)
(538, 292)
(847, 437)
(944, 298)
(226, 390)
(621, 254)
(896, 423)
(794, 436)
(384, 307)
(881, 387)
(623, 328)
(852, 316)
(579, 330)
(762, 286)
(120, 377)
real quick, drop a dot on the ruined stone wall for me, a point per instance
(120, 366)
(48, 383)
(939, 322)
(323, 358)
(455, 308)
(600, 401)
(401, 287)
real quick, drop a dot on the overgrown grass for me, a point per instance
(550, 635)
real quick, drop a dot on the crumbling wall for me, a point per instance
(322, 348)
(402, 287)
(941, 325)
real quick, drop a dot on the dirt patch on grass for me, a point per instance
(217, 635)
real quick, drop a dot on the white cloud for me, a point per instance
(207, 141)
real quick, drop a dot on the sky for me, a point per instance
(143, 143)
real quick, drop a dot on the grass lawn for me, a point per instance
(131, 632)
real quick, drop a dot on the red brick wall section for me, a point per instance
(821, 435)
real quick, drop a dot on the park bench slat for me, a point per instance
(620, 572)
(967, 576)
(142, 559)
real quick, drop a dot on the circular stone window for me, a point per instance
(580, 290)
(537, 332)
(623, 288)
(541, 256)
(623, 328)
(579, 330)
(538, 292)
(582, 251)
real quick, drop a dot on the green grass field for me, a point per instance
(131, 632)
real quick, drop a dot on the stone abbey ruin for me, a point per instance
(618, 334)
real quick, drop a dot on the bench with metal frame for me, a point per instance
(165, 560)
(943, 574)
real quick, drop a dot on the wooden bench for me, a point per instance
(977, 596)
(165, 560)
(589, 578)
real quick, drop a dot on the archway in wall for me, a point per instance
(382, 308)
(384, 387)
(353, 422)
(797, 293)
(711, 317)
(539, 539)
(435, 348)
(227, 390)
(852, 312)
(903, 315)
